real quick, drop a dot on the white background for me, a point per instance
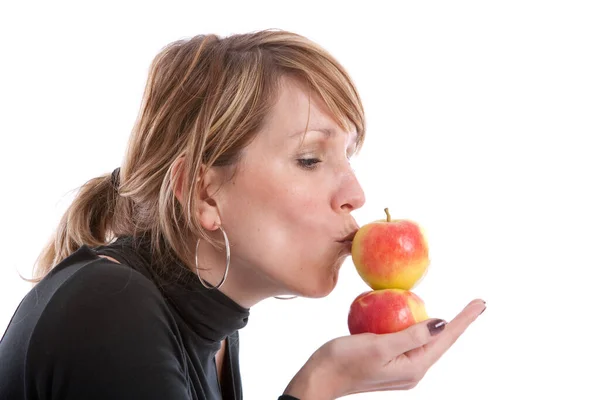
(483, 125)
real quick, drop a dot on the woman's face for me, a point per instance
(288, 206)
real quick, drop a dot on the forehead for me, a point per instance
(297, 111)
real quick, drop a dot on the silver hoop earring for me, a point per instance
(285, 298)
(228, 251)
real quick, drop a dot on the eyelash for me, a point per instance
(311, 163)
(308, 163)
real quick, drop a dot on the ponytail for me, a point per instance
(88, 220)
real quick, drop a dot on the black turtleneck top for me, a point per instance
(95, 329)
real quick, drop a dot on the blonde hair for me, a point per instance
(205, 98)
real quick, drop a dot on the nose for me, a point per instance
(350, 195)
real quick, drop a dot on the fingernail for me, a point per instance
(483, 311)
(436, 326)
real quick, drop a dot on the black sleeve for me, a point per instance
(287, 397)
(106, 334)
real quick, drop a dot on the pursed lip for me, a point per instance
(349, 237)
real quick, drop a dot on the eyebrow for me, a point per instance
(326, 131)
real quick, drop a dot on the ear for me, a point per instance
(207, 210)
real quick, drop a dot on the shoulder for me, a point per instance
(97, 299)
(91, 283)
(105, 331)
(102, 278)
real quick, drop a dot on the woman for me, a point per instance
(236, 187)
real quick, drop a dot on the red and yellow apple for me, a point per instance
(385, 311)
(390, 253)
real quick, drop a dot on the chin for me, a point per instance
(325, 281)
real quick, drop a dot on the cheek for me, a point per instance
(262, 209)
(280, 223)
(279, 199)
(292, 218)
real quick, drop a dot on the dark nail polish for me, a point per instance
(482, 311)
(436, 326)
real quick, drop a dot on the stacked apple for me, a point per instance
(391, 256)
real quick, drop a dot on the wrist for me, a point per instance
(314, 381)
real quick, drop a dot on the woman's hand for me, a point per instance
(368, 362)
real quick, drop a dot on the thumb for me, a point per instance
(416, 335)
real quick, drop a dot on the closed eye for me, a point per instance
(308, 163)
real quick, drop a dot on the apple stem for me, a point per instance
(389, 218)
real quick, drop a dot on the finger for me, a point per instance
(454, 329)
(412, 337)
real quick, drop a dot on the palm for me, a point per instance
(368, 362)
